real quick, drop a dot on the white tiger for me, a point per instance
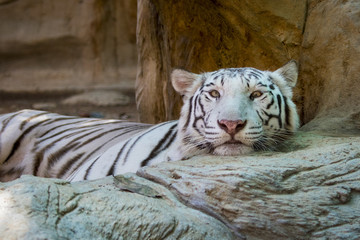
(231, 111)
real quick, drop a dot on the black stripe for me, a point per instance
(252, 138)
(86, 158)
(50, 159)
(98, 148)
(261, 84)
(59, 126)
(59, 119)
(22, 125)
(13, 173)
(50, 145)
(189, 114)
(72, 133)
(104, 133)
(260, 116)
(170, 141)
(279, 103)
(19, 140)
(255, 73)
(76, 127)
(211, 133)
(39, 156)
(89, 168)
(69, 163)
(264, 98)
(131, 147)
(287, 112)
(201, 107)
(252, 133)
(112, 168)
(160, 146)
(271, 103)
(53, 158)
(7, 120)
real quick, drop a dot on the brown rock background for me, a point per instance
(330, 66)
(66, 45)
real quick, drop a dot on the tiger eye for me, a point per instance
(214, 94)
(255, 94)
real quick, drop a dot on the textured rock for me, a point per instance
(309, 193)
(207, 35)
(124, 207)
(66, 44)
(330, 63)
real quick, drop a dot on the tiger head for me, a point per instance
(235, 111)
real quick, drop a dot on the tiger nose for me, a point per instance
(231, 126)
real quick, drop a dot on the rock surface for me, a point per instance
(330, 63)
(66, 45)
(124, 207)
(309, 193)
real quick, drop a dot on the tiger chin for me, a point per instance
(232, 111)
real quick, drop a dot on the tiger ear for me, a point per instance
(289, 72)
(185, 82)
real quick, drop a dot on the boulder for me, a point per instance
(311, 191)
(123, 207)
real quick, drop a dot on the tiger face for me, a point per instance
(236, 110)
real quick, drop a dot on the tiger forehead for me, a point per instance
(244, 75)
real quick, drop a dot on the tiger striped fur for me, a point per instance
(231, 111)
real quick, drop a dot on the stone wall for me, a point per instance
(66, 45)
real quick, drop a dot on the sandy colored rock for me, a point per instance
(309, 193)
(330, 63)
(66, 45)
(124, 207)
(206, 35)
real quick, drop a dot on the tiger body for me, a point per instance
(227, 112)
